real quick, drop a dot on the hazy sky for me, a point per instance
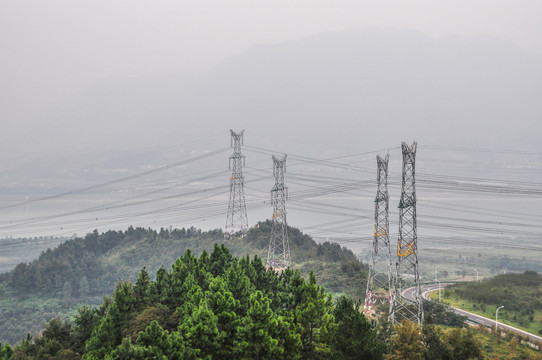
(52, 48)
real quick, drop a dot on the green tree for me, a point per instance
(128, 351)
(157, 288)
(256, 332)
(123, 306)
(314, 320)
(54, 342)
(294, 287)
(264, 280)
(102, 341)
(220, 260)
(436, 343)
(464, 345)
(168, 320)
(442, 314)
(67, 354)
(84, 320)
(60, 330)
(239, 285)
(407, 343)
(200, 331)
(158, 342)
(6, 351)
(354, 337)
(289, 339)
(172, 290)
(141, 288)
(225, 307)
(191, 296)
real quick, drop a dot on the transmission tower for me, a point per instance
(380, 279)
(278, 256)
(407, 248)
(237, 212)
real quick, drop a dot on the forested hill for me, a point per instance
(83, 270)
(212, 307)
(221, 307)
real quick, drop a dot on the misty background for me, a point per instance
(97, 97)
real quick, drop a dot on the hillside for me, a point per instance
(520, 294)
(216, 306)
(83, 270)
(220, 307)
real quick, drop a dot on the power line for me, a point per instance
(111, 182)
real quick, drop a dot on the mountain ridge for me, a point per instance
(401, 83)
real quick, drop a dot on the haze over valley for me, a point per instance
(122, 161)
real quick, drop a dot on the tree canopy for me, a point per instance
(212, 307)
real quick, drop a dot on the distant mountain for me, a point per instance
(372, 87)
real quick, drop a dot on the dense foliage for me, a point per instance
(438, 313)
(220, 307)
(433, 343)
(336, 267)
(81, 271)
(215, 306)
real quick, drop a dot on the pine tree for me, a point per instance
(354, 337)
(219, 260)
(191, 295)
(200, 331)
(314, 319)
(102, 341)
(128, 351)
(141, 288)
(225, 307)
(255, 334)
(122, 308)
(157, 341)
(239, 285)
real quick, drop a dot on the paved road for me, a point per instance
(426, 289)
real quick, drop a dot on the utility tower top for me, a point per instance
(237, 138)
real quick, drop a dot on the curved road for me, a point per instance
(426, 289)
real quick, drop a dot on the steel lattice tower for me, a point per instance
(237, 212)
(278, 256)
(407, 247)
(380, 278)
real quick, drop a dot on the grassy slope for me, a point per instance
(28, 311)
(534, 327)
(517, 292)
